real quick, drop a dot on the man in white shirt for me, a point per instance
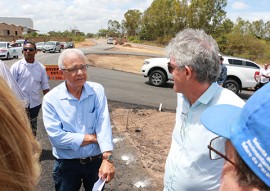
(194, 63)
(265, 75)
(32, 78)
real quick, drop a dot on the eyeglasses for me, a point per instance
(75, 69)
(171, 68)
(30, 49)
(214, 154)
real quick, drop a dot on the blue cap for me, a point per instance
(248, 129)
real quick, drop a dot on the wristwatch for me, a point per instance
(109, 158)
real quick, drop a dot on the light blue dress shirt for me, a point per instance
(188, 165)
(31, 78)
(68, 119)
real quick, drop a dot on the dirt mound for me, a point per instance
(127, 45)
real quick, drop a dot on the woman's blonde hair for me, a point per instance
(19, 150)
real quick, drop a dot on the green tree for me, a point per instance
(206, 14)
(245, 46)
(241, 27)
(161, 19)
(90, 35)
(257, 29)
(114, 28)
(132, 21)
(267, 31)
(102, 32)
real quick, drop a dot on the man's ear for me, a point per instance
(189, 72)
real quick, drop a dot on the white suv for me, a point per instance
(51, 46)
(8, 51)
(157, 71)
(241, 73)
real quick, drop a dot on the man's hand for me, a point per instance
(89, 138)
(107, 169)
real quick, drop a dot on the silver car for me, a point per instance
(52, 46)
(40, 45)
(110, 40)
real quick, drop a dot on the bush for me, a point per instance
(78, 38)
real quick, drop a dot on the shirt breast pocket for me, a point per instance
(91, 122)
(36, 86)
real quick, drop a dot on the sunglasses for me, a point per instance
(30, 49)
(171, 68)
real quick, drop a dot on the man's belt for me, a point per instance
(84, 160)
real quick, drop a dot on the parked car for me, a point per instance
(20, 41)
(7, 51)
(110, 40)
(40, 45)
(241, 73)
(51, 46)
(70, 45)
(63, 45)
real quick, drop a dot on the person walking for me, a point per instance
(31, 77)
(77, 121)
(223, 72)
(194, 63)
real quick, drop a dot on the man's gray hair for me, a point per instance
(196, 49)
(66, 55)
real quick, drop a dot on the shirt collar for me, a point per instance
(64, 94)
(209, 93)
(28, 64)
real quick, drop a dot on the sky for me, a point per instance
(89, 16)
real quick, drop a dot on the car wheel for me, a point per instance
(157, 78)
(59, 50)
(232, 85)
(43, 51)
(8, 56)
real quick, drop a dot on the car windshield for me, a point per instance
(50, 43)
(2, 44)
(39, 43)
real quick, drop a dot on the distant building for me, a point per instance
(10, 30)
(26, 24)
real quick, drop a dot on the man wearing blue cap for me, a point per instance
(247, 153)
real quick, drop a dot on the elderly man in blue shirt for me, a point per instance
(195, 68)
(76, 118)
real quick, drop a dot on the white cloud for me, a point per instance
(239, 5)
(92, 15)
(254, 16)
(85, 15)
